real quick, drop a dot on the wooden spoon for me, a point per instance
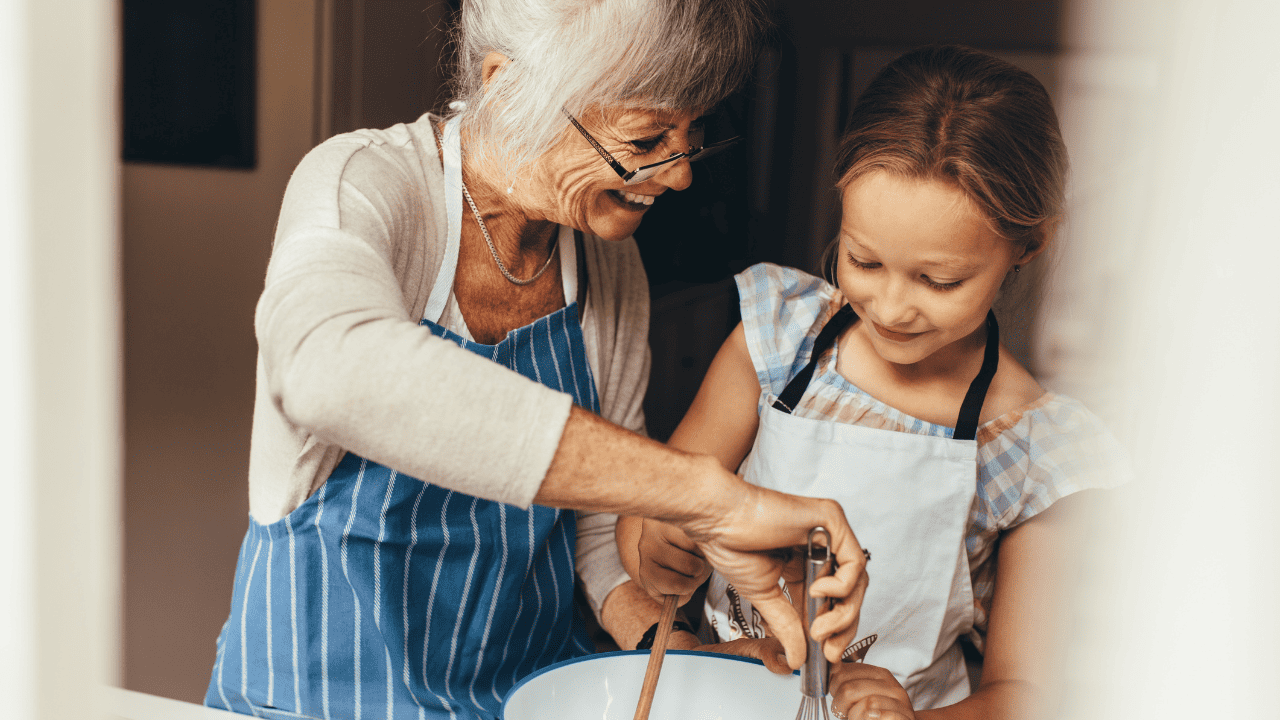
(656, 654)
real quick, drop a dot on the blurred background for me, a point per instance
(131, 261)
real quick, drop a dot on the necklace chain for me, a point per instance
(555, 245)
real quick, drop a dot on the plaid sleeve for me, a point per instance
(1027, 461)
(783, 310)
(1051, 451)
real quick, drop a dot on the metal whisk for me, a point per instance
(813, 676)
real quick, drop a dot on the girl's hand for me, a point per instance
(681, 640)
(866, 692)
(670, 563)
(767, 650)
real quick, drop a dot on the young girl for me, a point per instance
(889, 391)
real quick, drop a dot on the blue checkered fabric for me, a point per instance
(1028, 458)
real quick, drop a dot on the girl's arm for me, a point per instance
(1038, 566)
(722, 423)
(1038, 569)
(722, 420)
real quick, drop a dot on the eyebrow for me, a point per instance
(646, 130)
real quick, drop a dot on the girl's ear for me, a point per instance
(1034, 248)
(1047, 232)
(493, 62)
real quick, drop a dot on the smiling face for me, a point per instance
(920, 265)
(573, 185)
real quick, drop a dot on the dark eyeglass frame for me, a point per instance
(645, 172)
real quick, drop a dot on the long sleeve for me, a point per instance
(344, 365)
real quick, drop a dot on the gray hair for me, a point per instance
(663, 55)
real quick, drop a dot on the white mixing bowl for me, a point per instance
(693, 686)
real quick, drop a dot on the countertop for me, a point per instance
(124, 704)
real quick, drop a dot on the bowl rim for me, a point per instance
(618, 653)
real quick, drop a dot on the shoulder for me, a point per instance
(1043, 451)
(1011, 388)
(765, 288)
(1050, 415)
(783, 310)
(400, 159)
(363, 191)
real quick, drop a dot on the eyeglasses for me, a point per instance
(640, 174)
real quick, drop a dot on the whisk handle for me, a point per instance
(817, 565)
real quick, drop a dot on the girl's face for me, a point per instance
(919, 264)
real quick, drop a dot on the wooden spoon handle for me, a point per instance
(656, 654)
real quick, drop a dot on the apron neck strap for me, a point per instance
(843, 318)
(451, 152)
(970, 409)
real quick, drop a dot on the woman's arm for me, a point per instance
(1038, 566)
(599, 466)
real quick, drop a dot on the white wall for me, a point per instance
(59, 357)
(1170, 326)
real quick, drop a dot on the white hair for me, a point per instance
(664, 55)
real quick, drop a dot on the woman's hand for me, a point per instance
(670, 563)
(736, 543)
(766, 650)
(734, 524)
(866, 692)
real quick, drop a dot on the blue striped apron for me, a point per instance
(383, 596)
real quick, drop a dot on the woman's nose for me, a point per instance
(677, 175)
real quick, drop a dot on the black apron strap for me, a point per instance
(826, 338)
(970, 409)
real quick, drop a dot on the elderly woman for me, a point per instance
(452, 361)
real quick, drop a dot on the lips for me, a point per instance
(888, 334)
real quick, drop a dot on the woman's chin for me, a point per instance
(613, 229)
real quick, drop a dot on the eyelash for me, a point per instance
(927, 280)
(941, 286)
(648, 145)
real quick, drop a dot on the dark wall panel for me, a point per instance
(189, 82)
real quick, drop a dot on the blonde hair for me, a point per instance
(663, 55)
(953, 113)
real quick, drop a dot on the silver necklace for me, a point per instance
(555, 245)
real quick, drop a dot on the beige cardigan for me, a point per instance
(343, 364)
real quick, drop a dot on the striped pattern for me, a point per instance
(1027, 458)
(385, 597)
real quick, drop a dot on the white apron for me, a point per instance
(907, 497)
